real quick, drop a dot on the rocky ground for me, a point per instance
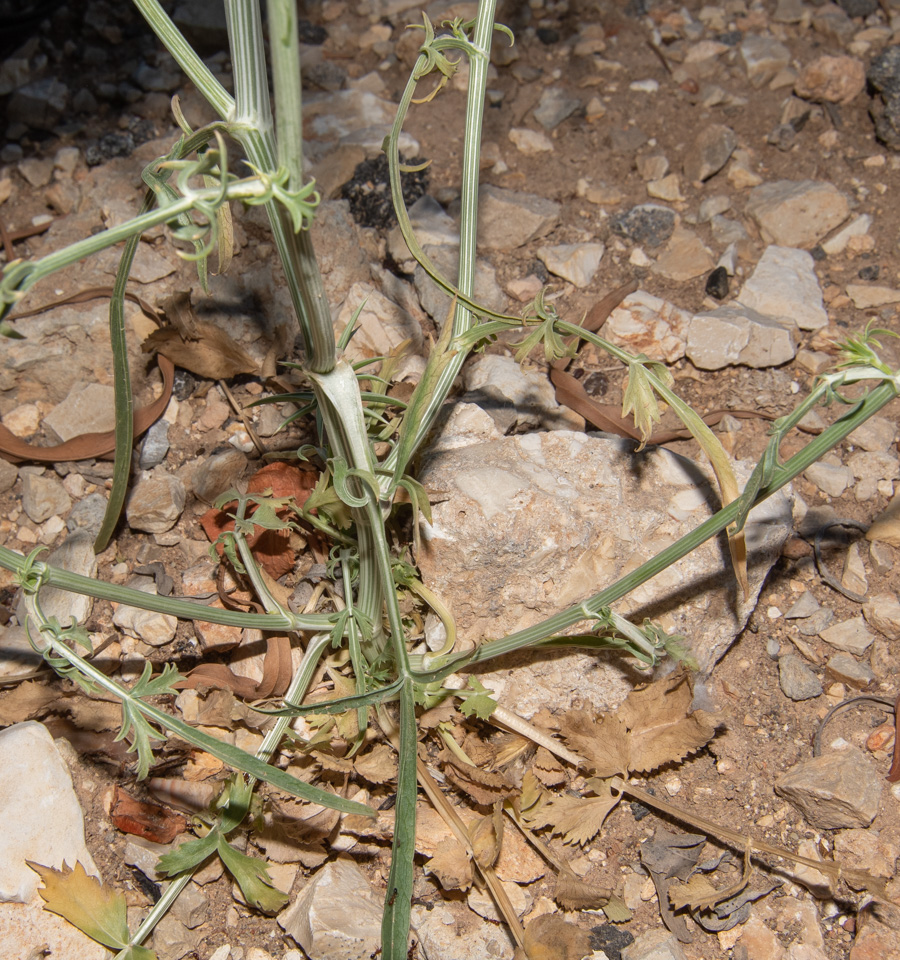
(737, 161)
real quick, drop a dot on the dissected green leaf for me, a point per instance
(252, 877)
(479, 702)
(187, 855)
(640, 397)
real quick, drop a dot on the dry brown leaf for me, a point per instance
(482, 786)
(25, 702)
(697, 893)
(573, 893)
(444, 712)
(378, 765)
(655, 725)
(202, 766)
(88, 713)
(551, 938)
(333, 763)
(380, 827)
(451, 865)
(547, 768)
(213, 355)
(577, 819)
(486, 834)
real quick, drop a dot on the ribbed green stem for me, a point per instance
(286, 80)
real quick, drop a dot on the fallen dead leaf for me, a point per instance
(551, 938)
(378, 765)
(142, 819)
(452, 867)
(655, 725)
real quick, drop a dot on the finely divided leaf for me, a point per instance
(579, 819)
(451, 865)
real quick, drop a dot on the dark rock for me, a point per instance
(311, 33)
(40, 104)
(547, 35)
(884, 78)
(611, 940)
(109, 146)
(325, 75)
(858, 8)
(647, 224)
(369, 192)
(869, 273)
(797, 681)
(203, 24)
(717, 283)
(554, 106)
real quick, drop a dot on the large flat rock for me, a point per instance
(532, 524)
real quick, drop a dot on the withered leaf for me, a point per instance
(482, 786)
(333, 763)
(573, 893)
(443, 712)
(547, 768)
(148, 820)
(25, 702)
(655, 725)
(697, 892)
(532, 797)
(378, 765)
(89, 713)
(210, 353)
(97, 910)
(486, 834)
(380, 827)
(578, 819)
(451, 865)
(551, 938)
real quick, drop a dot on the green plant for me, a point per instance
(355, 499)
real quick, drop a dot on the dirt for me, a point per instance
(731, 781)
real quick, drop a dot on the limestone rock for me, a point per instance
(736, 334)
(684, 258)
(530, 142)
(451, 931)
(89, 408)
(43, 821)
(508, 219)
(513, 397)
(554, 106)
(883, 612)
(830, 478)
(835, 790)
(575, 262)
(436, 302)
(832, 79)
(43, 496)
(866, 296)
(654, 945)
(215, 475)
(337, 915)
(17, 656)
(842, 668)
(763, 57)
(77, 556)
(797, 681)
(797, 213)
(531, 524)
(709, 152)
(848, 635)
(155, 503)
(642, 323)
(382, 326)
(886, 526)
(784, 286)
(152, 627)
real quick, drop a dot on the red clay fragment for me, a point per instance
(148, 820)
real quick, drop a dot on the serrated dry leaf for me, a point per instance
(25, 702)
(532, 797)
(482, 786)
(654, 725)
(697, 892)
(444, 712)
(452, 867)
(547, 768)
(213, 354)
(578, 819)
(551, 938)
(379, 765)
(89, 713)
(96, 910)
(486, 834)
(573, 893)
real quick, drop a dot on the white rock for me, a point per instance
(530, 142)
(17, 656)
(736, 334)
(43, 496)
(642, 323)
(531, 526)
(784, 286)
(849, 635)
(575, 262)
(451, 931)
(89, 408)
(857, 227)
(148, 625)
(866, 296)
(77, 556)
(797, 213)
(507, 219)
(337, 915)
(42, 819)
(830, 478)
